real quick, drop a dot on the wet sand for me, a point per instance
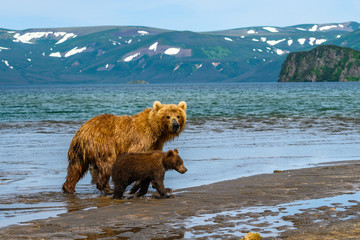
(225, 210)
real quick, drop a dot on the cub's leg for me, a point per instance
(144, 186)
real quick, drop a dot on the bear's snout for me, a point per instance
(182, 169)
(175, 126)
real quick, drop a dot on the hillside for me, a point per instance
(322, 64)
(113, 54)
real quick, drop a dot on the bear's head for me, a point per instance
(172, 160)
(171, 117)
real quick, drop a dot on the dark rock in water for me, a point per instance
(325, 63)
(138, 82)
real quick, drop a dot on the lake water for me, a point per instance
(233, 130)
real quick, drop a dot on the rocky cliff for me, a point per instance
(326, 63)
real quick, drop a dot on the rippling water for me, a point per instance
(205, 101)
(233, 130)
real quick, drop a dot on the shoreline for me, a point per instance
(227, 209)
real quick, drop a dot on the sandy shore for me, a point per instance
(224, 210)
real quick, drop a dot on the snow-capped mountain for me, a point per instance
(114, 54)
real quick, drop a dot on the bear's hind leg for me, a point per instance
(74, 173)
(144, 186)
(135, 187)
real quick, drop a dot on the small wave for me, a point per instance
(41, 126)
(328, 124)
(219, 125)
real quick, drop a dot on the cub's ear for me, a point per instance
(157, 105)
(169, 153)
(182, 105)
(175, 150)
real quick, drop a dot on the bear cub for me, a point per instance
(145, 167)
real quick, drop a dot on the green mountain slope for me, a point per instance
(113, 54)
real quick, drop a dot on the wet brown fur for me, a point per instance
(101, 139)
(146, 168)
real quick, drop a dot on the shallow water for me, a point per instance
(270, 221)
(232, 131)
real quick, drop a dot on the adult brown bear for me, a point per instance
(101, 139)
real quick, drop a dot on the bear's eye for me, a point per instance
(178, 117)
(168, 117)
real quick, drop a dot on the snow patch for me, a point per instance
(274, 42)
(280, 52)
(172, 51)
(251, 32)
(290, 42)
(215, 64)
(142, 33)
(7, 64)
(29, 59)
(65, 35)
(263, 39)
(27, 37)
(114, 42)
(3, 48)
(198, 66)
(55, 54)
(338, 36)
(301, 29)
(327, 27)
(301, 41)
(153, 46)
(314, 28)
(131, 57)
(320, 41)
(271, 29)
(228, 39)
(176, 68)
(75, 50)
(311, 41)
(340, 25)
(255, 40)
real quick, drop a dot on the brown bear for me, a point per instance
(103, 138)
(145, 167)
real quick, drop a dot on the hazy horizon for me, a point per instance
(188, 15)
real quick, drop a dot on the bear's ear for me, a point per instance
(169, 153)
(157, 105)
(182, 105)
(175, 150)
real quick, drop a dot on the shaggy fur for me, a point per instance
(103, 138)
(146, 168)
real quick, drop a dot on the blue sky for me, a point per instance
(193, 15)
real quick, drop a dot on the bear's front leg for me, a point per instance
(119, 190)
(159, 186)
